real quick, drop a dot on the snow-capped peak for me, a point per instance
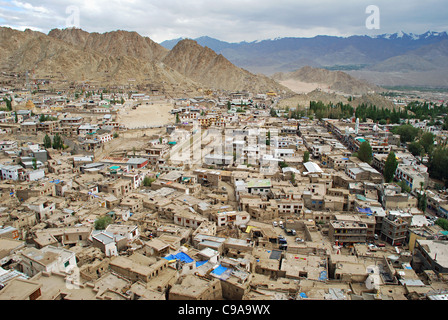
(412, 36)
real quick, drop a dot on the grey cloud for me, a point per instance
(230, 20)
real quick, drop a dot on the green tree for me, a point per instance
(47, 142)
(427, 141)
(177, 118)
(147, 181)
(389, 167)
(282, 164)
(421, 198)
(438, 167)
(416, 148)
(365, 152)
(404, 187)
(442, 223)
(268, 140)
(57, 142)
(102, 222)
(306, 156)
(407, 132)
(34, 163)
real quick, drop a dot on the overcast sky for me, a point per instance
(227, 20)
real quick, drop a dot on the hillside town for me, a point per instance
(131, 194)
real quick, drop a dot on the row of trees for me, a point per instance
(414, 110)
(57, 142)
(332, 111)
(427, 111)
(436, 113)
(343, 111)
(381, 115)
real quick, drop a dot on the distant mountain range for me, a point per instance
(218, 45)
(388, 59)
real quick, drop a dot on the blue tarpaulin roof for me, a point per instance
(180, 256)
(219, 270)
(303, 295)
(364, 210)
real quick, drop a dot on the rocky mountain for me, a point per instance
(116, 43)
(120, 56)
(205, 66)
(335, 81)
(48, 56)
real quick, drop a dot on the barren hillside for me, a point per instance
(117, 57)
(205, 66)
(51, 57)
(116, 43)
(334, 81)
